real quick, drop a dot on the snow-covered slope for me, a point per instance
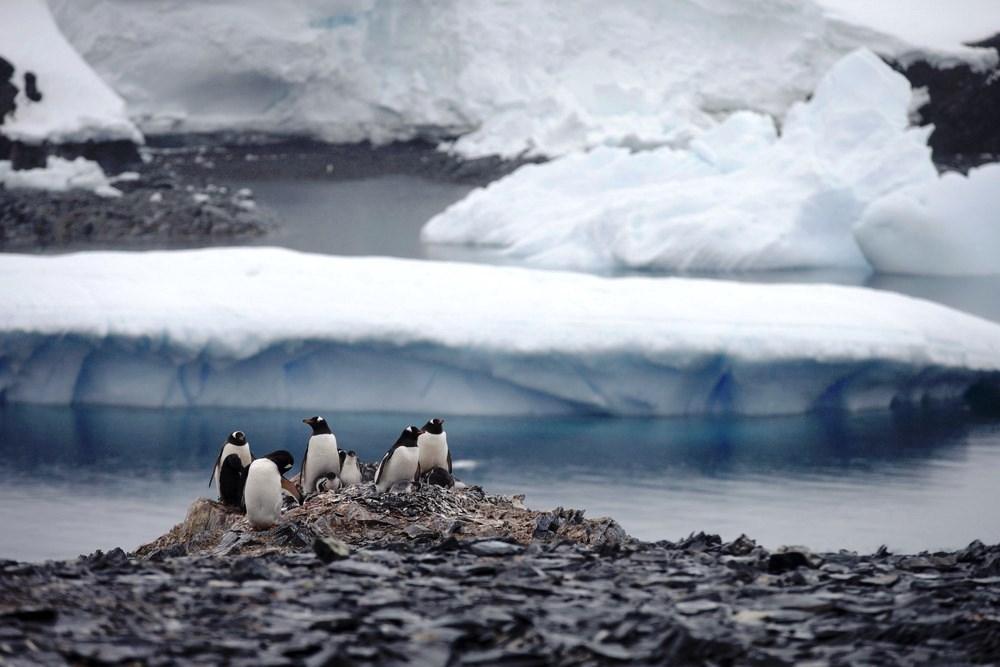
(740, 198)
(269, 327)
(514, 77)
(75, 105)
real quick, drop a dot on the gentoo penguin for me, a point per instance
(232, 478)
(350, 471)
(290, 495)
(237, 444)
(321, 455)
(433, 446)
(262, 493)
(401, 463)
(328, 482)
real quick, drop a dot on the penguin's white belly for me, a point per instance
(262, 494)
(242, 451)
(433, 451)
(322, 457)
(402, 465)
(351, 474)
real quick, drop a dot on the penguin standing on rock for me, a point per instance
(321, 457)
(401, 463)
(232, 479)
(263, 493)
(350, 469)
(237, 444)
(433, 446)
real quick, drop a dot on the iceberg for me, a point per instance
(59, 175)
(741, 197)
(275, 328)
(74, 105)
(946, 226)
(512, 79)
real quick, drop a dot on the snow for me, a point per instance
(59, 175)
(741, 198)
(76, 106)
(276, 328)
(945, 226)
(511, 78)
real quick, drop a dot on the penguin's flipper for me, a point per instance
(416, 477)
(302, 472)
(218, 462)
(343, 455)
(381, 465)
(449, 461)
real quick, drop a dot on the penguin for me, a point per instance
(433, 446)
(237, 444)
(321, 457)
(262, 494)
(232, 478)
(350, 470)
(290, 495)
(328, 482)
(401, 462)
(439, 477)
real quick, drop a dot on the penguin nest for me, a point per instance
(362, 517)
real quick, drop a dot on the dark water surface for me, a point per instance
(79, 479)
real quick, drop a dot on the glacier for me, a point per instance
(276, 328)
(76, 105)
(741, 197)
(518, 78)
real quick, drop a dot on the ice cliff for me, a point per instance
(276, 328)
(511, 78)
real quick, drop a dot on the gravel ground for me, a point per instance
(461, 582)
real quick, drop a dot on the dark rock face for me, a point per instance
(488, 602)
(964, 108)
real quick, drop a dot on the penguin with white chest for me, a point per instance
(350, 468)
(236, 443)
(433, 445)
(262, 493)
(401, 463)
(321, 457)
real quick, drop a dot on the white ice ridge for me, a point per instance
(76, 106)
(277, 328)
(513, 77)
(743, 198)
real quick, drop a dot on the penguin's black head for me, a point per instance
(319, 425)
(282, 459)
(408, 438)
(233, 463)
(238, 438)
(435, 426)
(352, 453)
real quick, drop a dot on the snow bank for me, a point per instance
(276, 328)
(75, 105)
(59, 175)
(541, 78)
(949, 225)
(740, 198)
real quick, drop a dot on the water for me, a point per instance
(79, 479)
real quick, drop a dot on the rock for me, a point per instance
(495, 548)
(329, 549)
(778, 563)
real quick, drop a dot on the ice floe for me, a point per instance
(277, 328)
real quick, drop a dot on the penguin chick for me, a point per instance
(232, 478)
(439, 477)
(321, 457)
(262, 494)
(290, 496)
(350, 469)
(328, 482)
(433, 445)
(236, 443)
(401, 462)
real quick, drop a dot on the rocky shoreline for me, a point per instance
(460, 577)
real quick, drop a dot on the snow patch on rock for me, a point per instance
(75, 105)
(59, 175)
